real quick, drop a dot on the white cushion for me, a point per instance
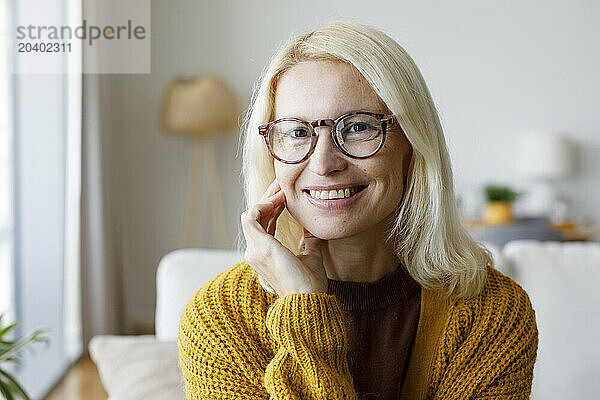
(180, 274)
(138, 367)
(562, 281)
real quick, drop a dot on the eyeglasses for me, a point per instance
(358, 134)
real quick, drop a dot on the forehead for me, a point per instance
(323, 89)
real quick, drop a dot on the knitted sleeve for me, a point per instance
(235, 344)
(490, 346)
(311, 361)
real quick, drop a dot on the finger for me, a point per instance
(277, 198)
(272, 225)
(252, 229)
(256, 215)
(273, 217)
(279, 202)
(271, 190)
(279, 205)
(255, 241)
(265, 212)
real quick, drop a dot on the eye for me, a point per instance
(359, 127)
(297, 133)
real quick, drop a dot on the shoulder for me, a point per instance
(502, 305)
(222, 286)
(233, 290)
(498, 324)
(502, 298)
(231, 302)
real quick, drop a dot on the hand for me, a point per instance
(278, 266)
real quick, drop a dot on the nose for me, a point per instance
(326, 158)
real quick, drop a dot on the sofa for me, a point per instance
(561, 279)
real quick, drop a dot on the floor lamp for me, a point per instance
(543, 159)
(201, 108)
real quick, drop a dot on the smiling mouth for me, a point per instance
(335, 194)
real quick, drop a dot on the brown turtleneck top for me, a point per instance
(381, 322)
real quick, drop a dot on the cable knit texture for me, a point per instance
(238, 341)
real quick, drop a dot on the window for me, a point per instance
(43, 220)
(6, 174)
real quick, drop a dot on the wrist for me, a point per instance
(305, 289)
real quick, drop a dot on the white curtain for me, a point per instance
(101, 277)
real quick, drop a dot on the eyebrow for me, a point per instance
(344, 113)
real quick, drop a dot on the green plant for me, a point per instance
(500, 193)
(9, 387)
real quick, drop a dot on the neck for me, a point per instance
(364, 257)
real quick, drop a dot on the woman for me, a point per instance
(358, 280)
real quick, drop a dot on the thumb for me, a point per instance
(312, 244)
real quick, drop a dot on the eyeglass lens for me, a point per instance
(360, 135)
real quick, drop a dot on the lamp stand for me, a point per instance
(205, 147)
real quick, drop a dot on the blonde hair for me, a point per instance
(427, 235)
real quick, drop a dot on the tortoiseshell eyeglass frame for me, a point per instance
(385, 119)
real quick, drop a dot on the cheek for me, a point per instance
(396, 183)
(395, 161)
(397, 175)
(391, 172)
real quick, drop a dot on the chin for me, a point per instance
(324, 227)
(327, 233)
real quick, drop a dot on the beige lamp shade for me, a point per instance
(199, 106)
(545, 156)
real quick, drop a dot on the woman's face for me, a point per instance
(327, 89)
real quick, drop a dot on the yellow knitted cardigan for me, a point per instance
(237, 341)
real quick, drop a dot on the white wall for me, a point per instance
(495, 71)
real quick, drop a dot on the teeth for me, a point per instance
(333, 194)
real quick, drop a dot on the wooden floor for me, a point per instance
(81, 382)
